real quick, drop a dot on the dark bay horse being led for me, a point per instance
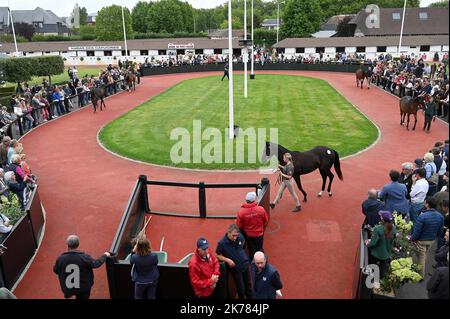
(98, 94)
(410, 105)
(320, 157)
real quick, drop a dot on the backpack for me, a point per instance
(434, 178)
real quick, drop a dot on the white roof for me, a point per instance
(323, 34)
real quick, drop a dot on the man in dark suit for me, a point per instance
(74, 269)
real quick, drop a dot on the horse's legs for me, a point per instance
(402, 118)
(407, 125)
(324, 183)
(331, 177)
(299, 185)
(415, 121)
(104, 104)
(94, 104)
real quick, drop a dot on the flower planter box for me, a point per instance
(379, 294)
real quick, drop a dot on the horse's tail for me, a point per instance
(337, 166)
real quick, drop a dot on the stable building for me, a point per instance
(371, 47)
(109, 52)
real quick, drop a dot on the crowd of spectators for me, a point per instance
(43, 102)
(420, 193)
(414, 77)
(16, 180)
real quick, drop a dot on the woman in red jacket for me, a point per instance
(204, 270)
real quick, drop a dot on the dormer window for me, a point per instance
(423, 15)
(38, 25)
(396, 16)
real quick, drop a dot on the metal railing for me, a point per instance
(262, 189)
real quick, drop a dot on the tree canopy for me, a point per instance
(109, 26)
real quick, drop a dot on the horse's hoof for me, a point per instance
(305, 200)
(320, 194)
(330, 194)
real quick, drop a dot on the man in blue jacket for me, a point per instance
(427, 228)
(230, 250)
(265, 278)
(394, 195)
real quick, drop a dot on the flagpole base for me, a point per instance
(252, 76)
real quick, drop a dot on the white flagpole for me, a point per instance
(278, 19)
(230, 64)
(253, 48)
(245, 52)
(401, 31)
(13, 29)
(124, 34)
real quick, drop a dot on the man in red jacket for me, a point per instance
(204, 270)
(252, 220)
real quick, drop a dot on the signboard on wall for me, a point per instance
(172, 46)
(95, 48)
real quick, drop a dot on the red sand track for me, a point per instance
(85, 189)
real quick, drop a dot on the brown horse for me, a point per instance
(361, 75)
(408, 106)
(98, 94)
(130, 80)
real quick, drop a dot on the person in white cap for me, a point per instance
(252, 221)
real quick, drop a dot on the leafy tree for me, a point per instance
(207, 19)
(265, 37)
(165, 15)
(301, 18)
(83, 16)
(139, 16)
(335, 7)
(108, 25)
(48, 66)
(25, 30)
(439, 4)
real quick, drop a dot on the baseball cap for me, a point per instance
(385, 215)
(251, 197)
(202, 243)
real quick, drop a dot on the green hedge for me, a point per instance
(58, 38)
(23, 69)
(8, 38)
(169, 35)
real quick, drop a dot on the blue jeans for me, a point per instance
(415, 210)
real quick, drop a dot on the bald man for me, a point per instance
(371, 207)
(265, 278)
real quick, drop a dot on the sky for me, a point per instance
(63, 8)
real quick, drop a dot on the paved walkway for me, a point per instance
(85, 190)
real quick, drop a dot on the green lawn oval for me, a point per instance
(307, 112)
